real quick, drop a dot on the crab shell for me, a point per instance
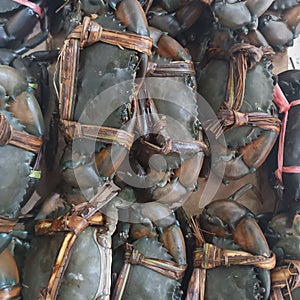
(168, 246)
(247, 146)
(145, 283)
(19, 105)
(155, 232)
(82, 279)
(283, 235)
(181, 117)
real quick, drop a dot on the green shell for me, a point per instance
(235, 283)
(258, 96)
(218, 221)
(15, 163)
(176, 98)
(15, 170)
(82, 276)
(104, 88)
(144, 283)
(105, 81)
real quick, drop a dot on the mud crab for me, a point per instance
(57, 251)
(168, 154)
(230, 243)
(145, 249)
(19, 33)
(152, 247)
(240, 91)
(85, 112)
(18, 21)
(24, 26)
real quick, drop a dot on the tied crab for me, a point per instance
(97, 96)
(287, 98)
(24, 26)
(240, 92)
(22, 128)
(229, 244)
(149, 258)
(168, 154)
(58, 250)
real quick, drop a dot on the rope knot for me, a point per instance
(91, 31)
(136, 257)
(280, 100)
(87, 33)
(253, 55)
(241, 119)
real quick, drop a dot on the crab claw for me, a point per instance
(10, 287)
(248, 159)
(229, 219)
(249, 237)
(258, 7)
(179, 188)
(233, 15)
(276, 31)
